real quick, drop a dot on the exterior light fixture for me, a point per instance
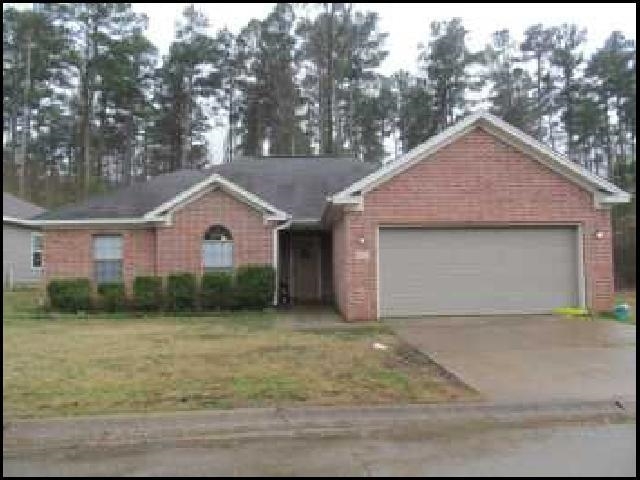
(599, 234)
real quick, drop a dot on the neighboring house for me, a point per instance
(21, 242)
(480, 219)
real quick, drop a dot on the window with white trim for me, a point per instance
(36, 250)
(107, 258)
(217, 249)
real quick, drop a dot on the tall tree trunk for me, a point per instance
(610, 153)
(129, 147)
(331, 82)
(186, 125)
(86, 102)
(145, 151)
(14, 120)
(86, 139)
(231, 107)
(539, 79)
(621, 160)
(552, 138)
(22, 167)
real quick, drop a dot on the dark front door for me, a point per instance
(306, 268)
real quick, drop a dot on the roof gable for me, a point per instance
(605, 191)
(204, 186)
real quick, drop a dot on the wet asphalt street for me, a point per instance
(568, 450)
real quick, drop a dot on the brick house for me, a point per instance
(480, 219)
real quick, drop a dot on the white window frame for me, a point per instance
(33, 236)
(95, 260)
(217, 242)
(223, 241)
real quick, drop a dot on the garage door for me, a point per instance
(477, 271)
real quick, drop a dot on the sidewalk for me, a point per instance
(184, 428)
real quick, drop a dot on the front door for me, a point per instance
(306, 268)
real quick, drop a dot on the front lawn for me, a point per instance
(75, 366)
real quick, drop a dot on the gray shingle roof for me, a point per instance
(296, 185)
(13, 206)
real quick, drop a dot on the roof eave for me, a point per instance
(18, 221)
(96, 222)
(618, 198)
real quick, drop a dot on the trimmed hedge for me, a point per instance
(112, 296)
(69, 294)
(254, 286)
(250, 287)
(181, 291)
(216, 290)
(147, 293)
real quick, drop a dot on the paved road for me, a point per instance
(530, 357)
(581, 450)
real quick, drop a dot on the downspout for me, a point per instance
(276, 250)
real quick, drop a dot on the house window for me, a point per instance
(217, 248)
(107, 257)
(36, 250)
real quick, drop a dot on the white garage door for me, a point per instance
(461, 271)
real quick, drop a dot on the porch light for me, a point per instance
(599, 234)
(361, 240)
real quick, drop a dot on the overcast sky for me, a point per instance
(408, 23)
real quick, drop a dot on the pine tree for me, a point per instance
(445, 60)
(538, 46)
(568, 59)
(509, 82)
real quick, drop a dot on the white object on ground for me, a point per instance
(380, 346)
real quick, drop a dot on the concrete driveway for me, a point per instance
(530, 357)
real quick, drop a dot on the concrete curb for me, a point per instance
(263, 423)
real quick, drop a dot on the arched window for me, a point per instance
(217, 248)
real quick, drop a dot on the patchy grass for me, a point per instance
(23, 302)
(74, 366)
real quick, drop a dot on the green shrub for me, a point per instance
(181, 291)
(112, 296)
(69, 294)
(254, 286)
(147, 293)
(216, 290)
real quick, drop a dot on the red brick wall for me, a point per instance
(477, 179)
(340, 268)
(69, 252)
(180, 246)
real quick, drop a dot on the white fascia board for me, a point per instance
(622, 197)
(342, 199)
(179, 198)
(254, 199)
(277, 218)
(496, 126)
(97, 221)
(227, 184)
(18, 221)
(306, 220)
